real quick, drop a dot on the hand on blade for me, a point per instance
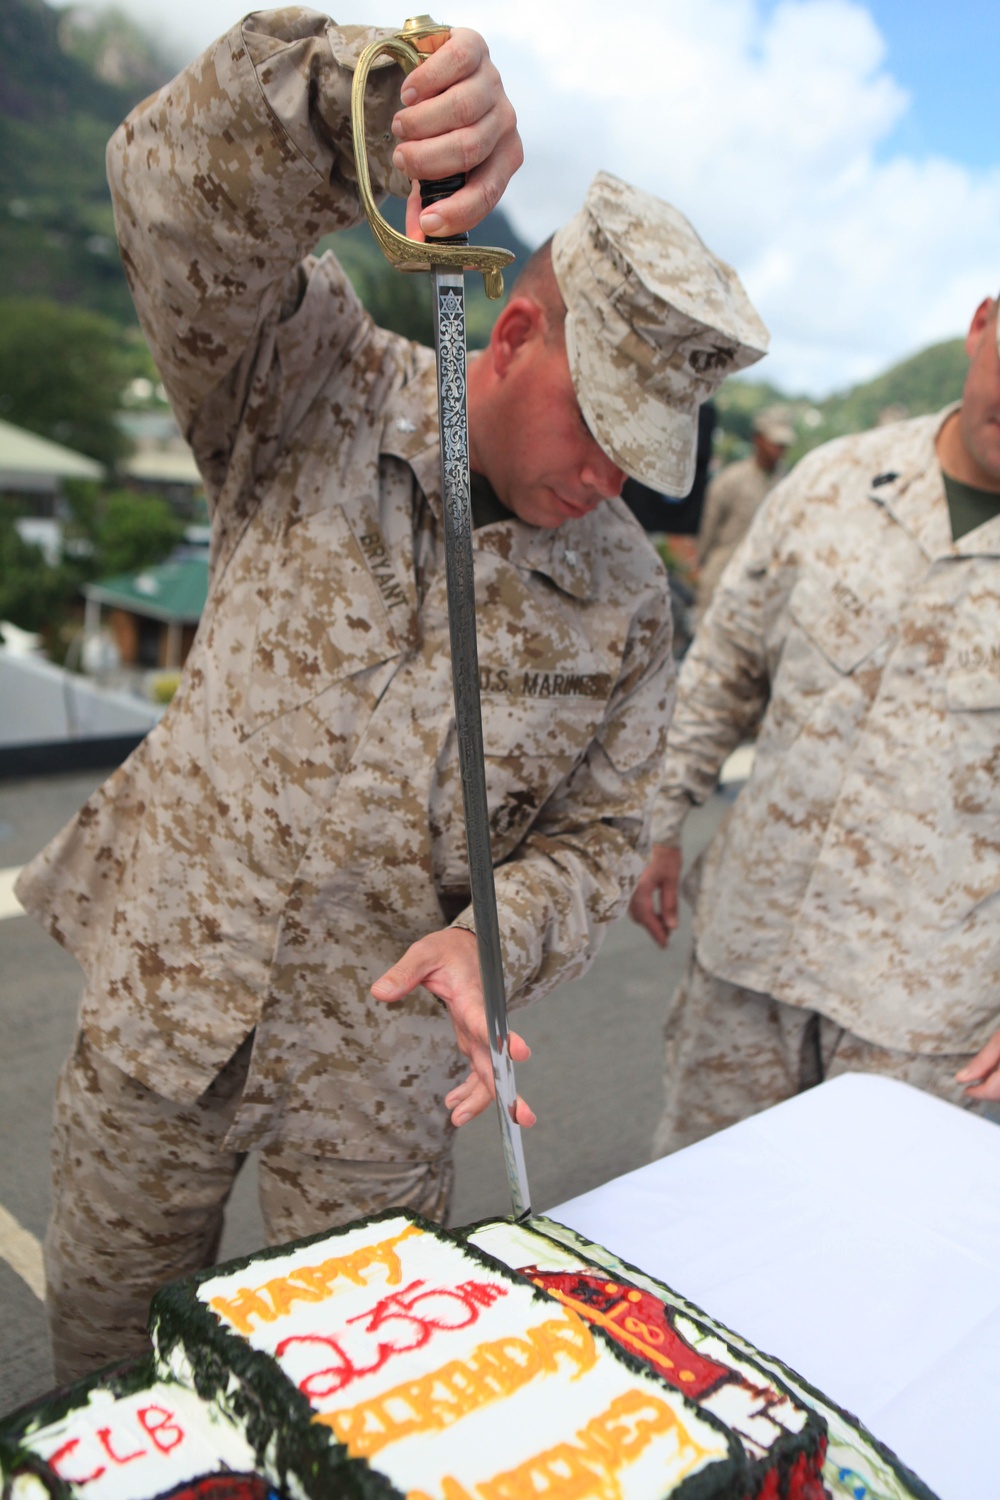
(447, 964)
(457, 119)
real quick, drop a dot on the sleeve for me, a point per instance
(221, 183)
(725, 680)
(572, 876)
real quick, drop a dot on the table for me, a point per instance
(853, 1231)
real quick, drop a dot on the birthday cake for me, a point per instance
(393, 1358)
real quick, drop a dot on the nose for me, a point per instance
(601, 476)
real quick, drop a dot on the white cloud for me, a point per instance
(769, 130)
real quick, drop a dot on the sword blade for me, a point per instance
(453, 412)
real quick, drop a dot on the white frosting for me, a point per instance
(28, 1487)
(516, 1247)
(132, 1447)
(463, 1351)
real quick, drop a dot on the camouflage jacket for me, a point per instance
(295, 820)
(859, 873)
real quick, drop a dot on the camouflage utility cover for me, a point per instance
(654, 324)
(859, 873)
(295, 821)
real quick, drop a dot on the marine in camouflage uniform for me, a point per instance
(295, 821)
(734, 497)
(848, 910)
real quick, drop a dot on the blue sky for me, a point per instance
(947, 56)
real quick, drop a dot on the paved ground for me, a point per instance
(594, 1080)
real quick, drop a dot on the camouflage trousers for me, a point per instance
(139, 1188)
(731, 1052)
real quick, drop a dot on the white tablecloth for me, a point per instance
(854, 1232)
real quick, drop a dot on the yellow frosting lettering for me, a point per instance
(627, 1332)
(311, 1283)
(589, 1467)
(450, 1490)
(438, 1400)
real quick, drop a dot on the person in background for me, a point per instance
(664, 518)
(847, 913)
(734, 497)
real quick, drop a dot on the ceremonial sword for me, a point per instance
(448, 260)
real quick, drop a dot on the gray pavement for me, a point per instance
(594, 1076)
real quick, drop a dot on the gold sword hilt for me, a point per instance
(409, 47)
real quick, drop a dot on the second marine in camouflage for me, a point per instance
(847, 915)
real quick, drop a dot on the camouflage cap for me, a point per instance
(654, 324)
(775, 423)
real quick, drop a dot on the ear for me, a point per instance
(517, 325)
(980, 322)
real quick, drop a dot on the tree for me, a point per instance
(116, 531)
(31, 592)
(62, 374)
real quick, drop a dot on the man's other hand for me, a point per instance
(982, 1075)
(654, 900)
(456, 118)
(447, 964)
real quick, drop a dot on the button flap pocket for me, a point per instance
(559, 729)
(844, 627)
(320, 618)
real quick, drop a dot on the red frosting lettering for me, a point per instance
(104, 1433)
(67, 1448)
(165, 1433)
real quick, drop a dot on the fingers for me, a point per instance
(988, 1090)
(982, 1074)
(399, 981)
(643, 912)
(457, 119)
(654, 900)
(472, 1096)
(443, 961)
(477, 1091)
(447, 964)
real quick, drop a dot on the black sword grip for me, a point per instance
(433, 192)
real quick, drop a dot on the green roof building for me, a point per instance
(153, 614)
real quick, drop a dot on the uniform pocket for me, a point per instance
(320, 618)
(842, 625)
(529, 746)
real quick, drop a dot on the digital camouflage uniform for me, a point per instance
(857, 879)
(732, 500)
(295, 821)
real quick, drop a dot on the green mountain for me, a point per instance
(56, 113)
(67, 78)
(923, 382)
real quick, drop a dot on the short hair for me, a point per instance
(537, 280)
